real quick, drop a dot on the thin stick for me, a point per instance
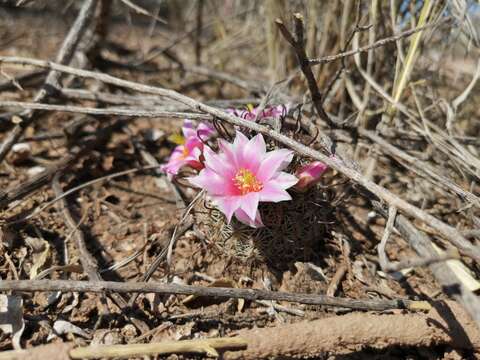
(21, 190)
(299, 47)
(208, 347)
(382, 255)
(337, 278)
(24, 80)
(421, 167)
(225, 293)
(336, 163)
(89, 264)
(421, 262)
(379, 43)
(106, 111)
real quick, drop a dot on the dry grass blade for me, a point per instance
(141, 10)
(410, 59)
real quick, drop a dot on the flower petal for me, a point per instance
(273, 162)
(237, 148)
(243, 217)
(227, 204)
(249, 204)
(253, 152)
(227, 149)
(273, 193)
(240, 140)
(175, 162)
(210, 181)
(193, 142)
(310, 174)
(284, 180)
(188, 129)
(205, 130)
(219, 163)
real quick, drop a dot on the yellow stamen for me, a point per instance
(177, 139)
(246, 182)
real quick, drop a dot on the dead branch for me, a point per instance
(75, 189)
(448, 232)
(299, 47)
(23, 80)
(134, 112)
(210, 347)
(218, 292)
(333, 335)
(422, 262)
(382, 255)
(89, 264)
(29, 186)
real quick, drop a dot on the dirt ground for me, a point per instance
(323, 242)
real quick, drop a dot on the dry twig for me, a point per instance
(299, 47)
(377, 44)
(219, 292)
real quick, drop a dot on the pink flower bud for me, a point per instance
(310, 174)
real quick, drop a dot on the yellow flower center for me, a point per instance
(246, 182)
(177, 139)
(185, 152)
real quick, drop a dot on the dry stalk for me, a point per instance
(410, 59)
(209, 347)
(382, 255)
(299, 47)
(219, 292)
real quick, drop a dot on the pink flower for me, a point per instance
(203, 130)
(190, 148)
(310, 174)
(251, 113)
(244, 174)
